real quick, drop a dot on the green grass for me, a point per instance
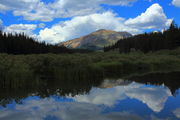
(82, 66)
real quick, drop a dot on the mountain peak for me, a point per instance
(103, 30)
(96, 40)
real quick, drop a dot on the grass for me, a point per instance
(82, 66)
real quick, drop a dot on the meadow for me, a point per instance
(80, 66)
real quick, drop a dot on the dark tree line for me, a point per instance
(22, 44)
(169, 39)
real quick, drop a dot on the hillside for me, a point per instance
(148, 42)
(96, 40)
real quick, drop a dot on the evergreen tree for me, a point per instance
(22, 44)
(169, 39)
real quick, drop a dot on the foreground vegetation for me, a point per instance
(25, 68)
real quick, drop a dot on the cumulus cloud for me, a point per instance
(51, 109)
(41, 25)
(83, 7)
(176, 3)
(177, 113)
(83, 25)
(29, 9)
(38, 10)
(107, 96)
(153, 18)
(1, 24)
(85, 20)
(21, 28)
(154, 98)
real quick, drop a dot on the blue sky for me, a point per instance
(55, 21)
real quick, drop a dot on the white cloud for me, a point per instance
(78, 26)
(38, 10)
(107, 96)
(29, 9)
(3, 8)
(62, 111)
(177, 113)
(153, 18)
(84, 7)
(21, 28)
(83, 25)
(176, 3)
(41, 25)
(154, 98)
(1, 24)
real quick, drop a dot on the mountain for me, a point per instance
(96, 40)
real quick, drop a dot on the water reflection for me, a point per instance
(147, 97)
(44, 88)
(51, 109)
(177, 113)
(153, 97)
(171, 80)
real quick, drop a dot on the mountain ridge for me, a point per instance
(96, 40)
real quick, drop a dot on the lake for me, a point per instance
(153, 96)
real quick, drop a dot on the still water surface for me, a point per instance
(148, 97)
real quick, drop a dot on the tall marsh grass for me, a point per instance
(23, 68)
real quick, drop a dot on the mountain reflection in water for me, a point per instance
(148, 97)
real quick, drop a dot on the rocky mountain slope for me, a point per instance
(96, 40)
